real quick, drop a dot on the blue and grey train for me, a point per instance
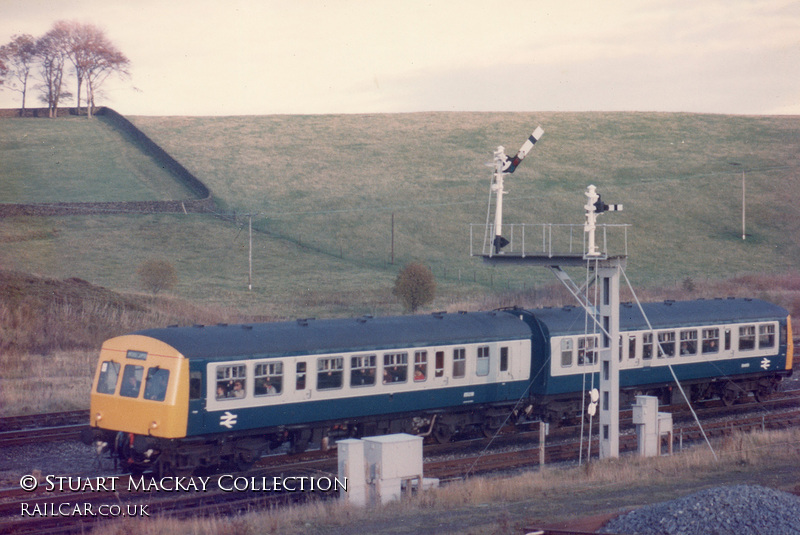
(180, 398)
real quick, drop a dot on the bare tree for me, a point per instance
(77, 44)
(51, 50)
(19, 56)
(93, 57)
(103, 59)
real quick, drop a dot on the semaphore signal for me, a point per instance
(504, 165)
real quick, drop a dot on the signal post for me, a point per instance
(604, 314)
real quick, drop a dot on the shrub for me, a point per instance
(156, 275)
(415, 286)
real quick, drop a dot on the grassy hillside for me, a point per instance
(326, 187)
(74, 160)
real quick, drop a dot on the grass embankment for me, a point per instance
(495, 505)
(325, 189)
(72, 159)
(51, 331)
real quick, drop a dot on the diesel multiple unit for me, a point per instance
(180, 398)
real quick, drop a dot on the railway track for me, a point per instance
(46, 512)
(45, 509)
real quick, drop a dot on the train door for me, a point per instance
(440, 378)
(197, 401)
(302, 383)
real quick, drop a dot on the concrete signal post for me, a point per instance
(603, 315)
(608, 311)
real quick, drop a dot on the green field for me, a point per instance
(75, 160)
(325, 189)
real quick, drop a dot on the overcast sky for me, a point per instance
(232, 57)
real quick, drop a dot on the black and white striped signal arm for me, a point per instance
(511, 163)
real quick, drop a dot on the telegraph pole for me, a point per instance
(250, 255)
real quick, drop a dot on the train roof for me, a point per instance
(308, 337)
(665, 314)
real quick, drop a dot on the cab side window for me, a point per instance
(195, 385)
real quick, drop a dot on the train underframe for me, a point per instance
(239, 450)
(555, 409)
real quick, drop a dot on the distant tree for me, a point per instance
(93, 57)
(156, 275)
(103, 60)
(19, 56)
(415, 286)
(51, 50)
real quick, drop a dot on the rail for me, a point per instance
(548, 239)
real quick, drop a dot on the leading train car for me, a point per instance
(724, 348)
(183, 398)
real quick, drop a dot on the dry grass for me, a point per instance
(35, 384)
(551, 494)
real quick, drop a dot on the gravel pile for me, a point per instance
(739, 510)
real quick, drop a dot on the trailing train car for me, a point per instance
(181, 398)
(722, 348)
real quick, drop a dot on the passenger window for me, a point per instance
(503, 359)
(482, 367)
(107, 382)
(195, 385)
(268, 379)
(420, 366)
(362, 370)
(300, 380)
(231, 380)
(688, 343)
(395, 367)
(439, 363)
(747, 337)
(566, 352)
(155, 386)
(586, 350)
(710, 341)
(666, 344)
(766, 336)
(459, 362)
(329, 373)
(647, 346)
(131, 381)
